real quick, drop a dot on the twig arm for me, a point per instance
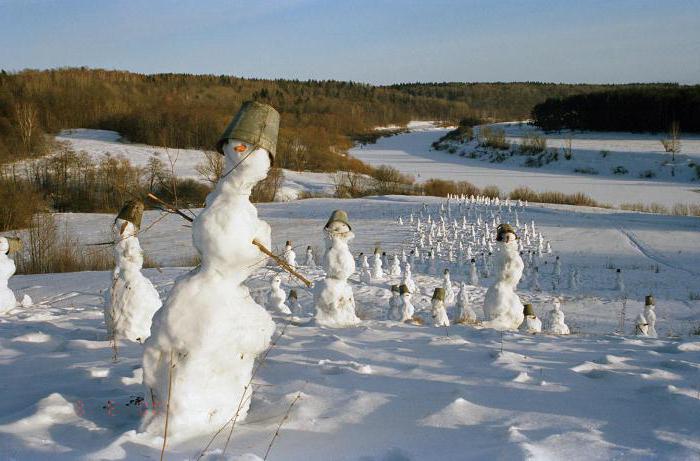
(281, 262)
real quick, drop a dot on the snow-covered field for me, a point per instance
(387, 391)
(638, 153)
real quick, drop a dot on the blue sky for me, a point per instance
(377, 41)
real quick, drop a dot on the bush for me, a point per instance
(441, 188)
(586, 170)
(20, 201)
(494, 138)
(532, 144)
(619, 170)
(578, 198)
(647, 174)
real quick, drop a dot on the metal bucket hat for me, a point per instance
(528, 310)
(439, 293)
(504, 229)
(338, 216)
(255, 123)
(132, 211)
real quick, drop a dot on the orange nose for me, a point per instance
(240, 148)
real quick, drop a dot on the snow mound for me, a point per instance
(331, 367)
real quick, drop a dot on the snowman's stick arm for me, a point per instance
(169, 207)
(281, 262)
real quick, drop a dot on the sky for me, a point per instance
(373, 41)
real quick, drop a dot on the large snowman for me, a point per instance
(8, 245)
(502, 307)
(205, 338)
(132, 299)
(335, 303)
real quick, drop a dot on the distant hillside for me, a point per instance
(504, 101)
(650, 108)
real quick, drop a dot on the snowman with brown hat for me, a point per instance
(650, 315)
(502, 307)
(437, 305)
(531, 323)
(132, 299)
(8, 246)
(333, 296)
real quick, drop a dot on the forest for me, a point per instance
(650, 108)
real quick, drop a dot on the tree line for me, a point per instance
(650, 108)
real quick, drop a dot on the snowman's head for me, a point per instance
(277, 280)
(4, 246)
(246, 160)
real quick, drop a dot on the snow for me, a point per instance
(382, 390)
(411, 153)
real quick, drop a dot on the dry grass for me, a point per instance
(679, 209)
(578, 198)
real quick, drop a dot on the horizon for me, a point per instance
(381, 42)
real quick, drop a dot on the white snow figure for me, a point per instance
(377, 272)
(641, 326)
(530, 324)
(290, 256)
(535, 279)
(8, 245)
(465, 313)
(394, 312)
(395, 268)
(438, 309)
(310, 262)
(447, 286)
(619, 281)
(557, 326)
(407, 278)
(473, 273)
(132, 299)
(650, 316)
(573, 284)
(206, 337)
(407, 309)
(277, 296)
(333, 297)
(502, 307)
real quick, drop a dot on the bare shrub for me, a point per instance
(491, 191)
(349, 184)
(212, 166)
(441, 188)
(50, 250)
(266, 190)
(532, 143)
(578, 198)
(493, 137)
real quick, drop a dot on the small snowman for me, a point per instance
(535, 279)
(619, 281)
(641, 326)
(395, 268)
(407, 309)
(290, 257)
(465, 313)
(277, 296)
(572, 282)
(438, 308)
(377, 272)
(310, 261)
(407, 278)
(557, 326)
(473, 273)
(8, 246)
(650, 315)
(365, 274)
(447, 286)
(394, 312)
(333, 297)
(531, 324)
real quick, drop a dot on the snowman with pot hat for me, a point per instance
(650, 315)
(439, 313)
(531, 324)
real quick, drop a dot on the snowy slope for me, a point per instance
(101, 143)
(412, 153)
(388, 391)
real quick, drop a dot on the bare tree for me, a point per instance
(672, 145)
(27, 121)
(212, 166)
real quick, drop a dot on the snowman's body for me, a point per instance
(333, 297)
(277, 298)
(502, 307)
(407, 279)
(295, 306)
(641, 326)
(132, 299)
(377, 272)
(200, 356)
(473, 274)
(465, 313)
(447, 286)
(7, 270)
(440, 318)
(557, 325)
(395, 268)
(394, 306)
(290, 256)
(310, 262)
(650, 316)
(407, 309)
